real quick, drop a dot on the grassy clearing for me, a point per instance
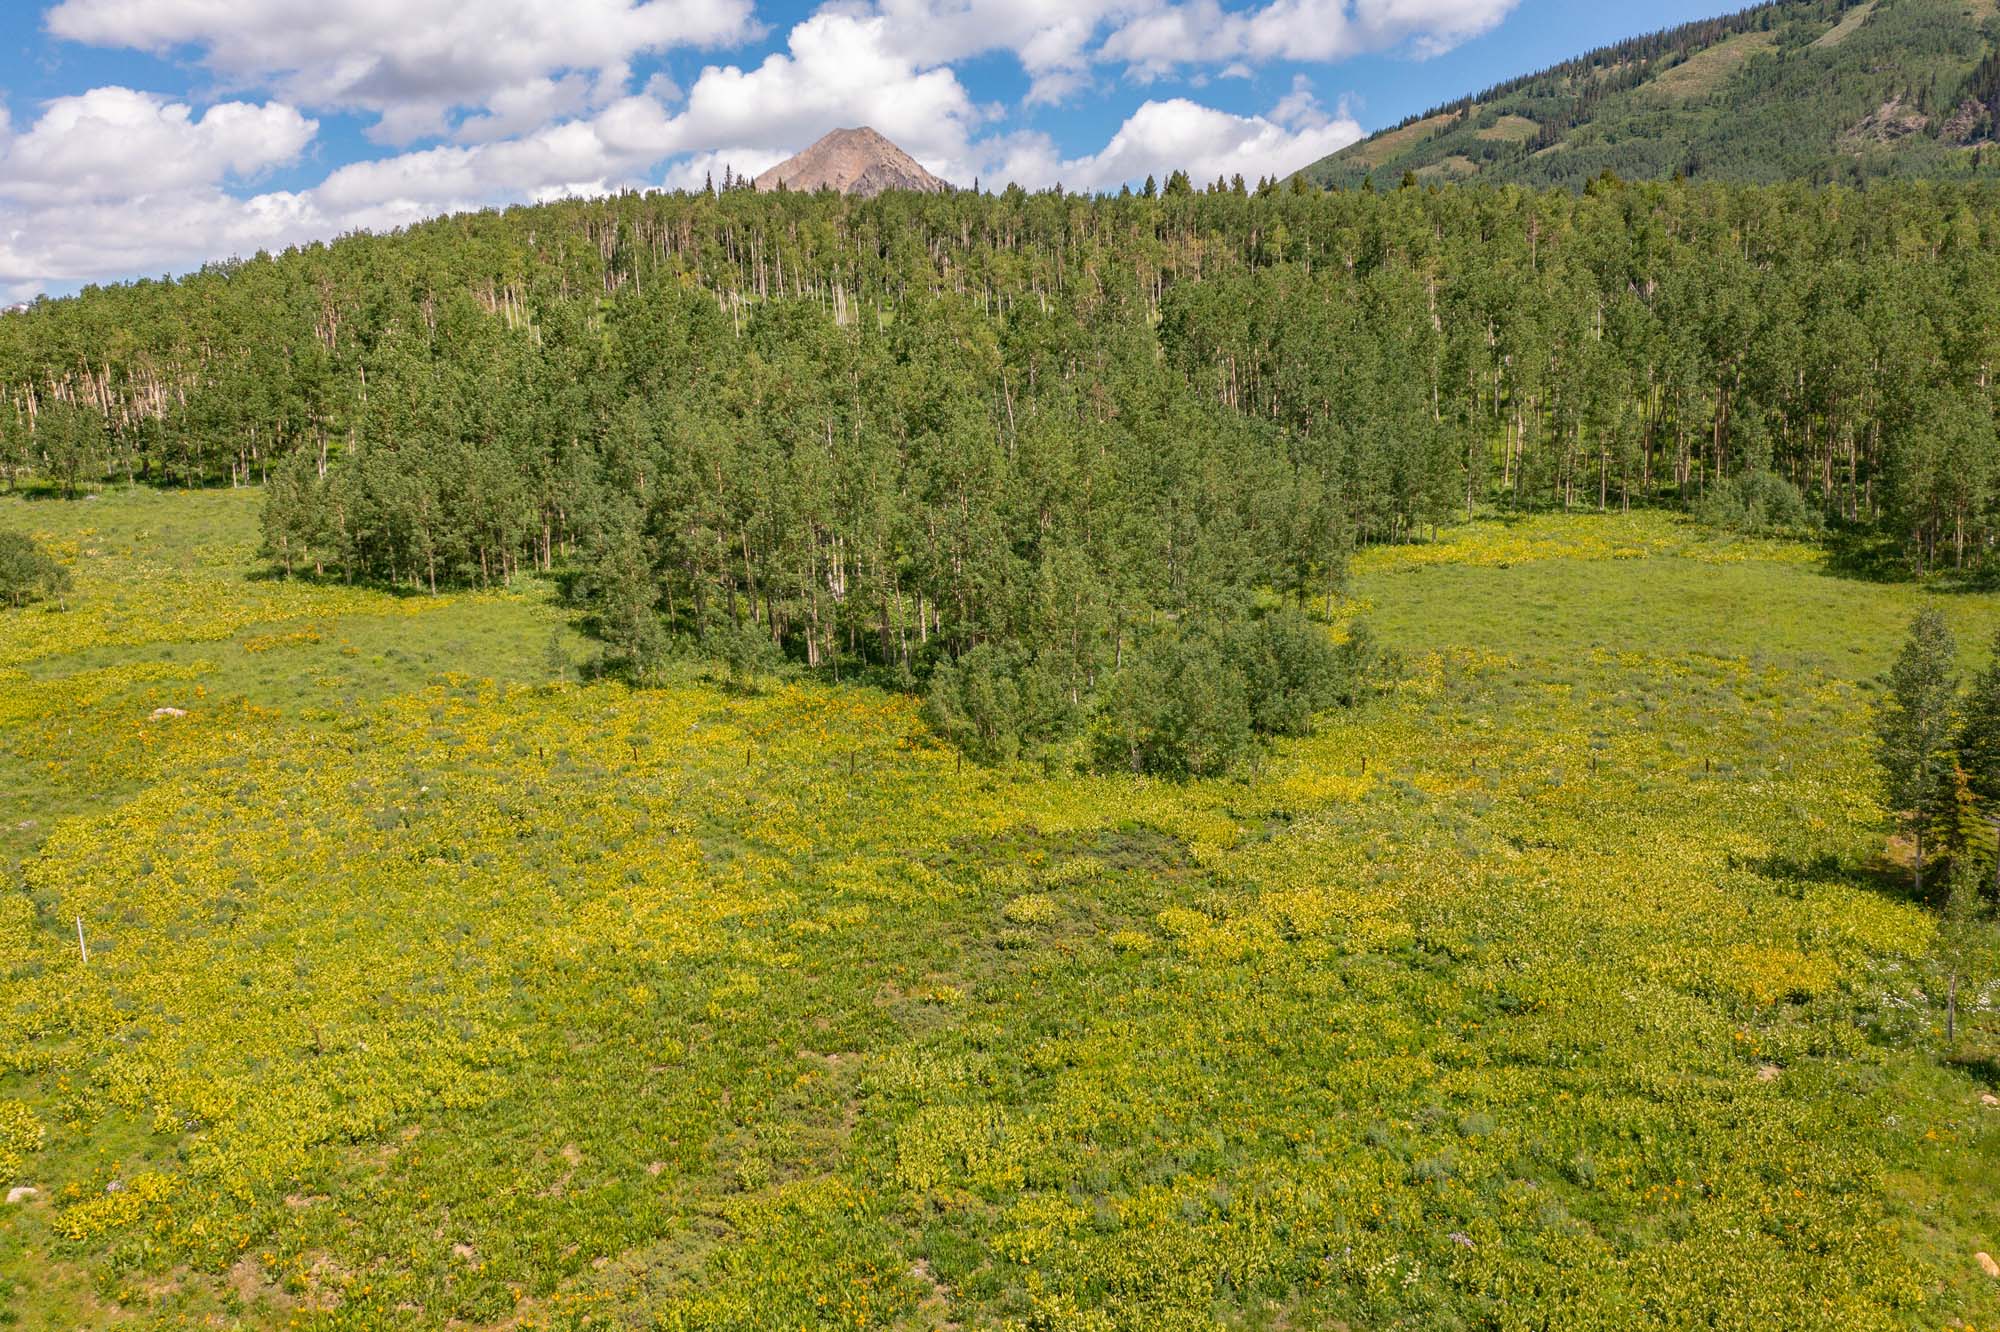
(171, 611)
(1708, 69)
(1849, 21)
(1566, 987)
(1509, 129)
(1455, 167)
(1374, 152)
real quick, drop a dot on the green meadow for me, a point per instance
(1575, 983)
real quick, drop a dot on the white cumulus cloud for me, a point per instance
(1052, 39)
(1059, 42)
(113, 143)
(114, 182)
(1167, 36)
(1177, 134)
(414, 62)
(837, 70)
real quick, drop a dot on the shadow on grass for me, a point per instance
(1871, 556)
(1866, 556)
(563, 579)
(45, 492)
(306, 577)
(1880, 874)
(1986, 578)
(38, 490)
(1981, 1064)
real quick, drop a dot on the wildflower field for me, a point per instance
(1572, 985)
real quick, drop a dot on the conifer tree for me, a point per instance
(1915, 728)
(1979, 747)
(623, 588)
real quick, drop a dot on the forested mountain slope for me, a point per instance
(1813, 90)
(1036, 433)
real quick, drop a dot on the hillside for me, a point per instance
(1817, 90)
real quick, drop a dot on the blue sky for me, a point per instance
(147, 136)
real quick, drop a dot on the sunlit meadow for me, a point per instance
(1572, 985)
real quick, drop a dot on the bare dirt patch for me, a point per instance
(1889, 123)
(936, 1304)
(247, 1279)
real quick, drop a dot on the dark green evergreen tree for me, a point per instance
(1916, 724)
(623, 589)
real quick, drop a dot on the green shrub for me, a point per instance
(27, 572)
(1291, 671)
(1178, 709)
(745, 650)
(993, 704)
(1757, 503)
(619, 583)
(1189, 705)
(1365, 667)
(975, 704)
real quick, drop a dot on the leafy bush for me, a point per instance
(745, 650)
(975, 704)
(27, 572)
(1291, 671)
(1185, 704)
(1758, 503)
(1179, 708)
(619, 583)
(992, 703)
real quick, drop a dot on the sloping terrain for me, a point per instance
(1817, 90)
(852, 161)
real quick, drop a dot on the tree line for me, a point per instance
(883, 435)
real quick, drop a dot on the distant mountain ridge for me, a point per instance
(1814, 90)
(852, 161)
